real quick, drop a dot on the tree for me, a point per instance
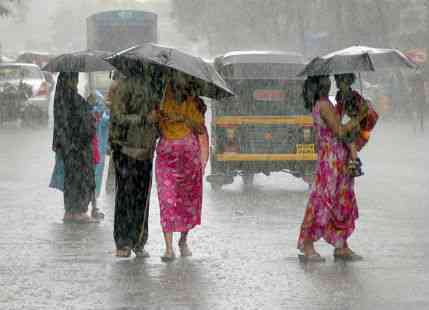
(4, 8)
(280, 24)
(230, 25)
(12, 7)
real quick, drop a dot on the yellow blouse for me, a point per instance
(188, 109)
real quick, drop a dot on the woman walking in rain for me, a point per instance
(74, 129)
(332, 209)
(179, 164)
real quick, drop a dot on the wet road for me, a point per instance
(244, 253)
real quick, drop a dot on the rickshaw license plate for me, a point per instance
(305, 148)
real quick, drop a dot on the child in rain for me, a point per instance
(102, 117)
(350, 104)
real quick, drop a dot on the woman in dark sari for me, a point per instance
(74, 128)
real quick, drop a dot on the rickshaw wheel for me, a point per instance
(308, 180)
(248, 179)
(216, 187)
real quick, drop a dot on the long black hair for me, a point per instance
(64, 78)
(314, 88)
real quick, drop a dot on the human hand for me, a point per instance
(355, 124)
(199, 130)
(97, 116)
(364, 109)
(91, 99)
(154, 116)
(174, 117)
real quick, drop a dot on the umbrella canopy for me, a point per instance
(209, 82)
(357, 59)
(83, 61)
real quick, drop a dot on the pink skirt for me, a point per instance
(95, 150)
(179, 183)
(203, 140)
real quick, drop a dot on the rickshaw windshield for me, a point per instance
(261, 71)
(264, 89)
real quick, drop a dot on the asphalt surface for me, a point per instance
(244, 253)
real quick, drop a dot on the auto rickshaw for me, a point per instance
(265, 128)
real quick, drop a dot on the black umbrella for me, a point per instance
(357, 59)
(132, 61)
(83, 61)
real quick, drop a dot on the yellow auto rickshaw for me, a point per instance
(265, 128)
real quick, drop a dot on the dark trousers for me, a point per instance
(133, 186)
(79, 181)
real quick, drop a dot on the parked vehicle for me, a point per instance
(28, 80)
(36, 58)
(266, 127)
(13, 101)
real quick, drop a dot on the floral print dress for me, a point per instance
(332, 209)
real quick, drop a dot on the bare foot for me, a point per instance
(141, 252)
(123, 252)
(68, 216)
(83, 218)
(309, 254)
(97, 214)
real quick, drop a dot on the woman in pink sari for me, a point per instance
(179, 165)
(332, 209)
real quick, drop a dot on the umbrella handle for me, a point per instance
(361, 84)
(164, 95)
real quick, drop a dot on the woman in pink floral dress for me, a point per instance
(179, 166)
(332, 209)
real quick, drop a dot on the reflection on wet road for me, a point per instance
(244, 253)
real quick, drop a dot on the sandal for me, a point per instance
(349, 257)
(123, 252)
(141, 252)
(168, 258)
(184, 250)
(83, 218)
(312, 258)
(97, 214)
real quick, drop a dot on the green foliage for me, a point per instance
(5, 7)
(236, 24)
(9, 7)
(283, 24)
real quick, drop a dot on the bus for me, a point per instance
(112, 31)
(116, 30)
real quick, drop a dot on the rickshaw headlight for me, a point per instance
(230, 134)
(306, 132)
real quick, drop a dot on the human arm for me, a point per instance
(121, 100)
(191, 117)
(194, 117)
(332, 120)
(60, 123)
